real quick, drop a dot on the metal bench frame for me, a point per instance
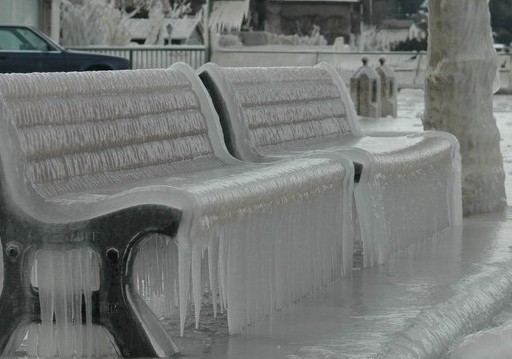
(113, 237)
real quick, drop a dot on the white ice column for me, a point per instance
(458, 96)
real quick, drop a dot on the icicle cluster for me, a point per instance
(65, 281)
(266, 260)
(407, 198)
(260, 242)
(156, 275)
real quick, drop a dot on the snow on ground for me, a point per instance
(378, 307)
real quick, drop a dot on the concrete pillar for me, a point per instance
(388, 89)
(458, 96)
(365, 90)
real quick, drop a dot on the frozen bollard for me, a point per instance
(365, 90)
(387, 89)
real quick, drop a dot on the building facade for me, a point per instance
(335, 18)
(21, 12)
(41, 14)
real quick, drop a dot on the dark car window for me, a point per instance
(9, 41)
(34, 42)
(22, 39)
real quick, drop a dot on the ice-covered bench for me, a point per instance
(410, 184)
(93, 162)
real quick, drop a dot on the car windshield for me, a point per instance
(16, 39)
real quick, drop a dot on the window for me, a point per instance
(33, 42)
(22, 39)
(8, 41)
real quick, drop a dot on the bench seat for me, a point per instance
(111, 158)
(409, 187)
(214, 202)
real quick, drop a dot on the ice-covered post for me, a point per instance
(365, 90)
(458, 96)
(387, 89)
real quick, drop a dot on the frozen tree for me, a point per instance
(105, 22)
(156, 18)
(93, 22)
(458, 97)
(371, 39)
(157, 10)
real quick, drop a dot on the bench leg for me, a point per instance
(115, 306)
(134, 327)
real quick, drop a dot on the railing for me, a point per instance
(146, 57)
(409, 66)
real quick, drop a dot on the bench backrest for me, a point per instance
(263, 110)
(68, 132)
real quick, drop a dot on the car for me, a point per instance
(25, 49)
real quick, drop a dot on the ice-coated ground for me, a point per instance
(421, 304)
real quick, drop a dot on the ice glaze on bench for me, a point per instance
(102, 159)
(270, 113)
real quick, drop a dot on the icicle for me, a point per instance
(213, 270)
(197, 292)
